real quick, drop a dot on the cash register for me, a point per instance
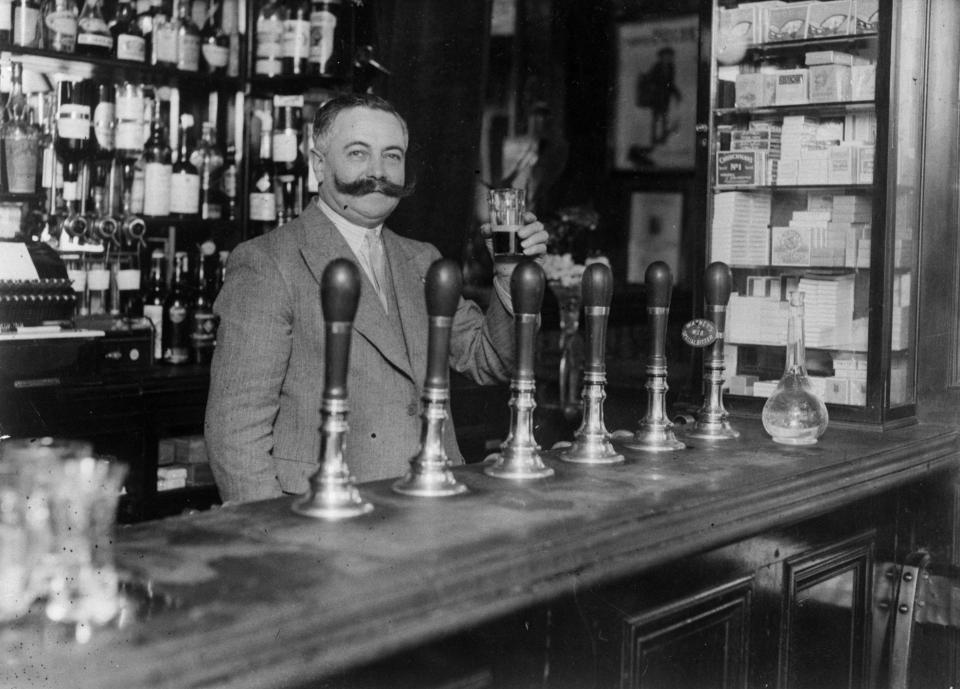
(42, 341)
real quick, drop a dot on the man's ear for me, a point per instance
(316, 162)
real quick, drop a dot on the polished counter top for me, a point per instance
(254, 596)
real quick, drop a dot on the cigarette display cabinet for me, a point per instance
(812, 159)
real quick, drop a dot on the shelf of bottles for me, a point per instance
(796, 204)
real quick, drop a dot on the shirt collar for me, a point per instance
(353, 233)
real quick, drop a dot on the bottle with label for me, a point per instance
(262, 197)
(26, 23)
(203, 328)
(165, 30)
(214, 43)
(104, 140)
(6, 22)
(269, 39)
(296, 37)
(59, 29)
(331, 38)
(208, 160)
(93, 36)
(185, 180)
(73, 142)
(188, 40)
(288, 163)
(129, 42)
(176, 315)
(21, 142)
(157, 168)
(155, 295)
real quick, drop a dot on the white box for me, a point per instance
(863, 82)
(791, 86)
(786, 23)
(831, 18)
(829, 83)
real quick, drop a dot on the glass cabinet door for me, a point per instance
(814, 132)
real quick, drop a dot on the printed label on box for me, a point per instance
(739, 167)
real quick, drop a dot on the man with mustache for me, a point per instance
(263, 411)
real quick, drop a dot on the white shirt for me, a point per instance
(354, 235)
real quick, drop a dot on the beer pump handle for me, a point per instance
(717, 281)
(597, 292)
(526, 291)
(659, 283)
(444, 284)
(339, 295)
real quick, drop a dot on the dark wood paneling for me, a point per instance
(437, 59)
(827, 605)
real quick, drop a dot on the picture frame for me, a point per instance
(655, 109)
(654, 233)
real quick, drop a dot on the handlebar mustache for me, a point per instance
(370, 185)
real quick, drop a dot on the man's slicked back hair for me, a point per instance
(327, 113)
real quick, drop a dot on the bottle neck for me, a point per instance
(796, 352)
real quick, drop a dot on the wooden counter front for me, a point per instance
(254, 596)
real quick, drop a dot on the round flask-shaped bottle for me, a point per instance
(794, 414)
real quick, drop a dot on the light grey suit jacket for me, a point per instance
(266, 381)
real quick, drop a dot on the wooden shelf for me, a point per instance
(828, 109)
(50, 62)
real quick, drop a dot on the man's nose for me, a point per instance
(376, 168)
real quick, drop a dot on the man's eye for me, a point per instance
(395, 157)
(356, 154)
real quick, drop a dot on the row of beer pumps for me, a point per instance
(332, 494)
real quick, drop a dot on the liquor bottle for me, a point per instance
(165, 28)
(21, 142)
(155, 296)
(128, 132)
(262, 197)
(229, 23)
(59, 29)
(208, 160)
(214, 43)
(104, 122)
(296, 37)
(198, 12)
(188, 40)
(129, 42)
(203, 322)
(26, 23)
(269, 39)
(145, 23)
(331, 39)
(73, 142)
(6, 22)
(185, 180)
(93, 36)
(228, 183)
(157, 168)
(176, 315)
(288, 163)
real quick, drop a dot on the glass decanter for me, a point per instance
(794, 414)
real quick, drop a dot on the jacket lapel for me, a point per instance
(408, 284)
(320, 243)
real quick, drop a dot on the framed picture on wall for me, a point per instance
(656, 222)
(655, 112)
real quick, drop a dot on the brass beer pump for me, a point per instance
(519, 456)
(332, 494)
(429, 474)
(712, 422)
(591, 443)
(655, 433)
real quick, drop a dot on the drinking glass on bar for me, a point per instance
(506, 218)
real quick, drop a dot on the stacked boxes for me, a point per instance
(828, 309)
(740, 234)
(757, 320)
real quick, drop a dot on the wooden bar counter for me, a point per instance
(254, 596)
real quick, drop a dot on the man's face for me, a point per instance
(363, 146)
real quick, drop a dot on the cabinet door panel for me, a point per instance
(825, 643)
(698, 642)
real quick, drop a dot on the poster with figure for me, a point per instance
(656, 102)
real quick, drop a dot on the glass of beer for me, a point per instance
(506, 218)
